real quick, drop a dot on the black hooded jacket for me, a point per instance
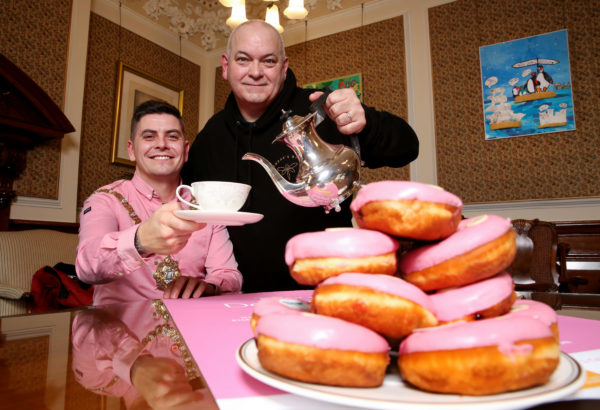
(259, 248)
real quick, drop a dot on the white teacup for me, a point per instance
(216, 195)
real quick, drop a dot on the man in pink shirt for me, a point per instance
(131, 244)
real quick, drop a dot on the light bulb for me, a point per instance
(238, 13)
(295, 10)
(272, 17)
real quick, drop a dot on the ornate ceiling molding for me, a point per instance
(203, 21)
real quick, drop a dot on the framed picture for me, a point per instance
(350, 81)
(526, 86)
(134, 87)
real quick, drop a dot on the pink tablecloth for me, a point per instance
(578, 335)
(215, 327)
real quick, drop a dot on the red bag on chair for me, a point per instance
(53, 289)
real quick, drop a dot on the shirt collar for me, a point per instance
(148, 192)
(143, 187)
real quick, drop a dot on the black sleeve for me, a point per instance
(192, 170)
(387, 140)
(188, 172)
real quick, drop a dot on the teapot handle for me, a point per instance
(317, 105)
(356, 147)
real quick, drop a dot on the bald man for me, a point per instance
(262, 84)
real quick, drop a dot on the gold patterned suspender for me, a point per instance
(124, 202)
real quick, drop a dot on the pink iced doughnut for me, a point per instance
(480, 357)
(480, 300)
(315, 256)
(407, 209)
(321, 349)
(536, 310)
(481, 247)
(386, 304)
(276, 304)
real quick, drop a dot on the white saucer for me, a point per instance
(219, 217)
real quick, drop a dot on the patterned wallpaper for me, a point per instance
(371, 50)
(35, 36)
(545, 166)
(107, 46)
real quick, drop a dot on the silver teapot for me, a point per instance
(327, 175)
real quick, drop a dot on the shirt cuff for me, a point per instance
(126, 249)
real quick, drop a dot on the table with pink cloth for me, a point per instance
(215, 327)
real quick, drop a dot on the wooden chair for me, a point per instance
(534, 268)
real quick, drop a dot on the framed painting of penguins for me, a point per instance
(526, 86)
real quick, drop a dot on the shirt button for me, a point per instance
(120, 273)
(139, 262)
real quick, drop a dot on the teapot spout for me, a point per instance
(295, 193)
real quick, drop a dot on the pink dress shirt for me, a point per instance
(108, 340)
(107, 258)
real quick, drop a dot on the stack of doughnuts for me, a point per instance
(445, 302)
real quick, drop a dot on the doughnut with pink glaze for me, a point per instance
(276, 304)
(386, 304)
(481, 247)
(321, 349)
(487, 356)
(315, 256)
(536, 310)
(407, 209)
(480, 300)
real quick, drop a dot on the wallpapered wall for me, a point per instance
(543, 166)
(104, 53)
(36, 39)
(375, 50)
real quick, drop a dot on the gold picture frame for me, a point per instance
(135, 86)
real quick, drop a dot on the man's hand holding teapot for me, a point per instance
(345, 109)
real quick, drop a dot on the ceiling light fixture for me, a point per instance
(272, 17)
(295, 10)
(238, 13)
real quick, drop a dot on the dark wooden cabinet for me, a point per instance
(28, 116)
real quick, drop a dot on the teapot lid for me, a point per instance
(293, 123)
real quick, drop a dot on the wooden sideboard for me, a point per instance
(28, 116)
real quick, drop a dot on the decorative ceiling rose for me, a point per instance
(205, 20)
(204, 17)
